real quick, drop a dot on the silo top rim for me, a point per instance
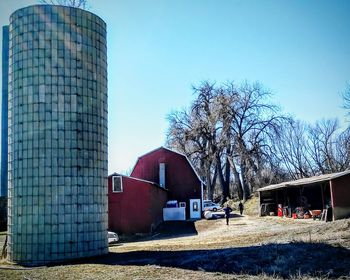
(52, 5)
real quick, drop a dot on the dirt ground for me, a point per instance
(249, 248)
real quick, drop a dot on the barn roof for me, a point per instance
(305, 181)
(189, 162)
(138, 179)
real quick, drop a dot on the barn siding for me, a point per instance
(158, 199)
(133, 210)
(340, 188)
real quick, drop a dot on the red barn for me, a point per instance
(134, 205)
(173, 171)
(158, 176)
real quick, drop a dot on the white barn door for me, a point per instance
(195, 208)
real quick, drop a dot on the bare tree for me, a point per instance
(254, 118)
(328, 148)
(71, 3)
(342, 150)
(206, 114)
(307, 150)
(291, 147)
(227, 129)
(198, 133)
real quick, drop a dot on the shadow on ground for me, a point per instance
(175, 229)
(284, 260)
(172, 229)
(166, 230)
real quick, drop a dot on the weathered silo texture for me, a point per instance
(57, 135)
(4, 116)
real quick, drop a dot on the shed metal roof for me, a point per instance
(305, 181)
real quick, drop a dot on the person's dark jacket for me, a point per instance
(227, 210)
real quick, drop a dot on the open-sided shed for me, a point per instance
(329, 191)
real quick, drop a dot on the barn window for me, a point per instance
(162, 174)
(117, 184)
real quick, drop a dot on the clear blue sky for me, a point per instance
(157, 49)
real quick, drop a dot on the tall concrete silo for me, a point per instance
(57, 135)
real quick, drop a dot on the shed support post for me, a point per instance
(259, 204)
(332, 199)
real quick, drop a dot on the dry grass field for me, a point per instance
(249, 248)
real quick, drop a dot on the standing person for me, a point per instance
(227, 210)
(241, 207)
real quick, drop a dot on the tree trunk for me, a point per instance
(227, 174)
(225, 192)
(237, 179)
(210, 186)
(246, 191)
(213, 183)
